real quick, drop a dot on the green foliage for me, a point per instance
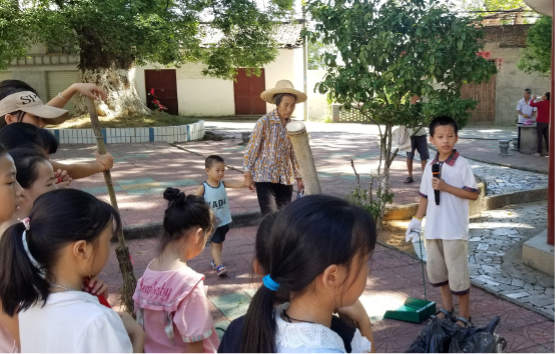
(495, 5)
(536, 56)
(119, 33)
(315, 57)
(374, 205)
(393, 51)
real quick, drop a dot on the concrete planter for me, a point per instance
(172, 134)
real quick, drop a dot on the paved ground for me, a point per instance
(142, 171)
(394, 276)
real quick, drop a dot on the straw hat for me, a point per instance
(283, 86)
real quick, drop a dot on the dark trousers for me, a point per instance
(542, 130)
(273, 196)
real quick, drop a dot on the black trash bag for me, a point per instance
(477, 339)
(434, 338)
(444, 336)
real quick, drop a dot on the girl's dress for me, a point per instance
(172, 307)
(313, 338)
(72, 322)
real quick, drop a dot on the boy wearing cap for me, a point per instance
(447, 227)
(20, 103)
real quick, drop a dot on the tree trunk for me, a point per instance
(123, 99)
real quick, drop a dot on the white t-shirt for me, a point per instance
(72, 322)
(450, 219)
(303, 337)
(525, 109)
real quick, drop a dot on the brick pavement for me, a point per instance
(393, 277)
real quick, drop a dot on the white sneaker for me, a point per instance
(537, 154)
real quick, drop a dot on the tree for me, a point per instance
(536, 57)
(392, 51)
(111, 36)
(316, 52)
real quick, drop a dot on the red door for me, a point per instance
(247, 94)
(165, 88)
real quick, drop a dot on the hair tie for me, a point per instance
(27, 223)
(270, 284)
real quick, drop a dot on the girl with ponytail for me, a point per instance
(10, 194)
(318, 251)
(170, 299)
(44, 262)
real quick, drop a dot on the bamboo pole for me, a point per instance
(122, 252)
(300, 142)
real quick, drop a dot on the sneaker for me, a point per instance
(221, 270)
(213, 264)
(537, 154)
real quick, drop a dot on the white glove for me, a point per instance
(413, 230)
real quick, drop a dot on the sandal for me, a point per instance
(466, 322)
(446, 313)
(221, 270)
(408, 180)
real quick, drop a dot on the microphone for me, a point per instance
(436, 173)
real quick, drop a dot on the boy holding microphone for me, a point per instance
(445, 200)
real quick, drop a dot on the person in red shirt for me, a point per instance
(543, 118)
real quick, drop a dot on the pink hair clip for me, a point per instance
(27, 223)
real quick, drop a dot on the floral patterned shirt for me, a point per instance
(269, 155)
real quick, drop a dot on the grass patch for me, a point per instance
(156, 119)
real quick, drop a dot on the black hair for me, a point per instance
(443, 120)
(57, 219)
(212, 159)
(310, 234)
(17, 134)
(547, 94)
(262, 252)
(9, 87)
(27, 159)
(279, 96)
(182, 214)
(527, 90)
(3, 150)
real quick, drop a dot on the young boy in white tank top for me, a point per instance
(214, 192)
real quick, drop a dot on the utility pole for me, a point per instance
(306, 104)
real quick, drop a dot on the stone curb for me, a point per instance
(406, 212)
(153, 230)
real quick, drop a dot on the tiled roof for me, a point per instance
(287, 35)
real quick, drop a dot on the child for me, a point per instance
(10, 194)
(34, 174)
(318, 252)
(44, 261)
(447, 225)
(20, 103)
(170, 298)
(23, 134)
(231, 341)
(214, 192)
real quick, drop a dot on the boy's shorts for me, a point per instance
(419, 143)
(447, 264)
(219, 235)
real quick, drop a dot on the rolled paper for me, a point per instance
(300, 142)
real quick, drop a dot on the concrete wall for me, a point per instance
(200, 95)
(506, 42)
(510, 83)
(318, 107)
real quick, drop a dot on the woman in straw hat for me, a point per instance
(270, 165)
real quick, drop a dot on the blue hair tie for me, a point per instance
(270, 284)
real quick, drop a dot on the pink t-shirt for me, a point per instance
(172, 307)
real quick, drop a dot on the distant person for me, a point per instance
(543, 119)
(524, 109)
(418, 138)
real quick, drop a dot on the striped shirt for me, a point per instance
(270, 156)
